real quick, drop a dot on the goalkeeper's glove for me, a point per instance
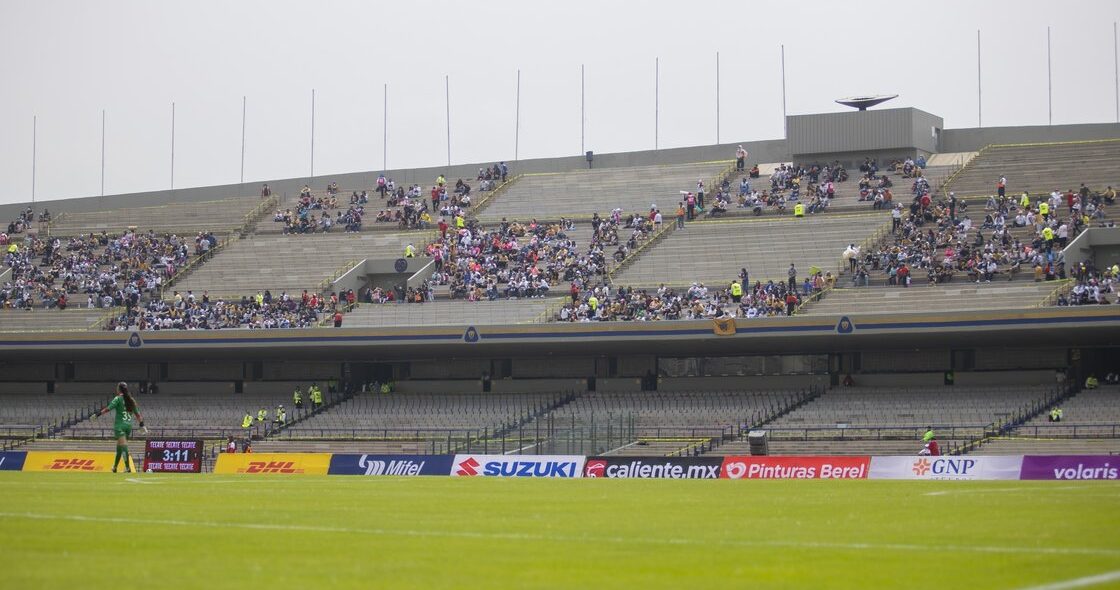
(94, 415)
(141, 424)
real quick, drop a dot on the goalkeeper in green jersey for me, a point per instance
(125, 408)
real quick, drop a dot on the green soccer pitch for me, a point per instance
(181, 531)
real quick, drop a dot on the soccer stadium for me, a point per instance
(905, 334)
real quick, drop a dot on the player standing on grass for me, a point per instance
(125, 407)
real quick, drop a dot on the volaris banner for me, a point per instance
(1070, 467)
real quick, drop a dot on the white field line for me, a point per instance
(1005, 490)
(1080, 582)
(923, 548)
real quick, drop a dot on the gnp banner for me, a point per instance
(653, 467)
(1070, 467)
(12, 460)
(518, 465)
(74, 461)
(391, 464)
(766, 467)
(279, 463)
(946, 467)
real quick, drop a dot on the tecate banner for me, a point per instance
(1070, 467)
(273, 463)
(654, 467)
(407, 465)
(764, 467)
(12, 460)
(964, 467)
(518, 465)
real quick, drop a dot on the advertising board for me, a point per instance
(406, 465)
(946, 467)
(1070, 467)
(518, 465)
(273, 463)
(653, 467)
(822, 467)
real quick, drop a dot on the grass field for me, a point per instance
(168, 531)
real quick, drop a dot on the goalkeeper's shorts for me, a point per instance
(119, 431)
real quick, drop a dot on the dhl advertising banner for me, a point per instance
(767, 467)
(70, 461)
(273, 463)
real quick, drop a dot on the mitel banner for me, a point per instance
(12, 460)
(945, 467)
(391, 464)
(654, 467)
(1070, 467)
(766, 467)
(273, 463)
(72, 461)
(518, 465)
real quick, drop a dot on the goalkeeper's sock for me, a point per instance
(128, 466)
(117, 459)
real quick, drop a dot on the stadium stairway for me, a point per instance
(1039, 168)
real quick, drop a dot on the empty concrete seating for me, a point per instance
(862, 412)
(835, 447)
(291, 263)
(457, 312)
(1090, 413)
(50, 320)
(43, 411)
(673, 410)
(400, 414)
(221, 217)
(1029, 446)
(920, 297)
(194, 415)
(1040, 169)
(580, 193)
(713, 252)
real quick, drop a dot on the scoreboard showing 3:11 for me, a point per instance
(167, 455)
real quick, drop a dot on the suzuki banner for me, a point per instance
(278, 463)
(75, 461)
(766, 467)
(1071, 467)
(945, 467)
(391, 464)
(12, 460)
(654, 467)
(518, 465)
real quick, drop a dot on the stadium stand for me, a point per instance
(1040, 168)
(291, 263)
(41, 320)
(857, 420)
(578, 193)
(924, 298)
(454, 312)
(23, 414)
(222, 217)
(714, 252)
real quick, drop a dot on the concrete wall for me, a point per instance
(967, 140)
(1099, 245)
(383, 273)
(858, 131)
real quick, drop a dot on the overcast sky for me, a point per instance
(65, 61)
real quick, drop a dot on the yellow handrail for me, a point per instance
(475, 207)
(337, 273)
(665, 229)
(1065, 285)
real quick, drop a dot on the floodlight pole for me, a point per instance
(656, 101)
(34, 146)
(1049, 83)
(172, 146)
(244, 106)
(102, 152)
(785, 125)
(517, 120)
(979, 85)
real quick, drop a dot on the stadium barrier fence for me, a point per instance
(969, 467)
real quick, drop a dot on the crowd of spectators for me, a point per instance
(105, 270)
(940, 240)
(697, 302)
(1092, 286)
(21, 223)
(260, 311)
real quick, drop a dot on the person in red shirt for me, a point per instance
(932, 448)
(231, 445)
(338, 319)
(791, 303)
(442, 229)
